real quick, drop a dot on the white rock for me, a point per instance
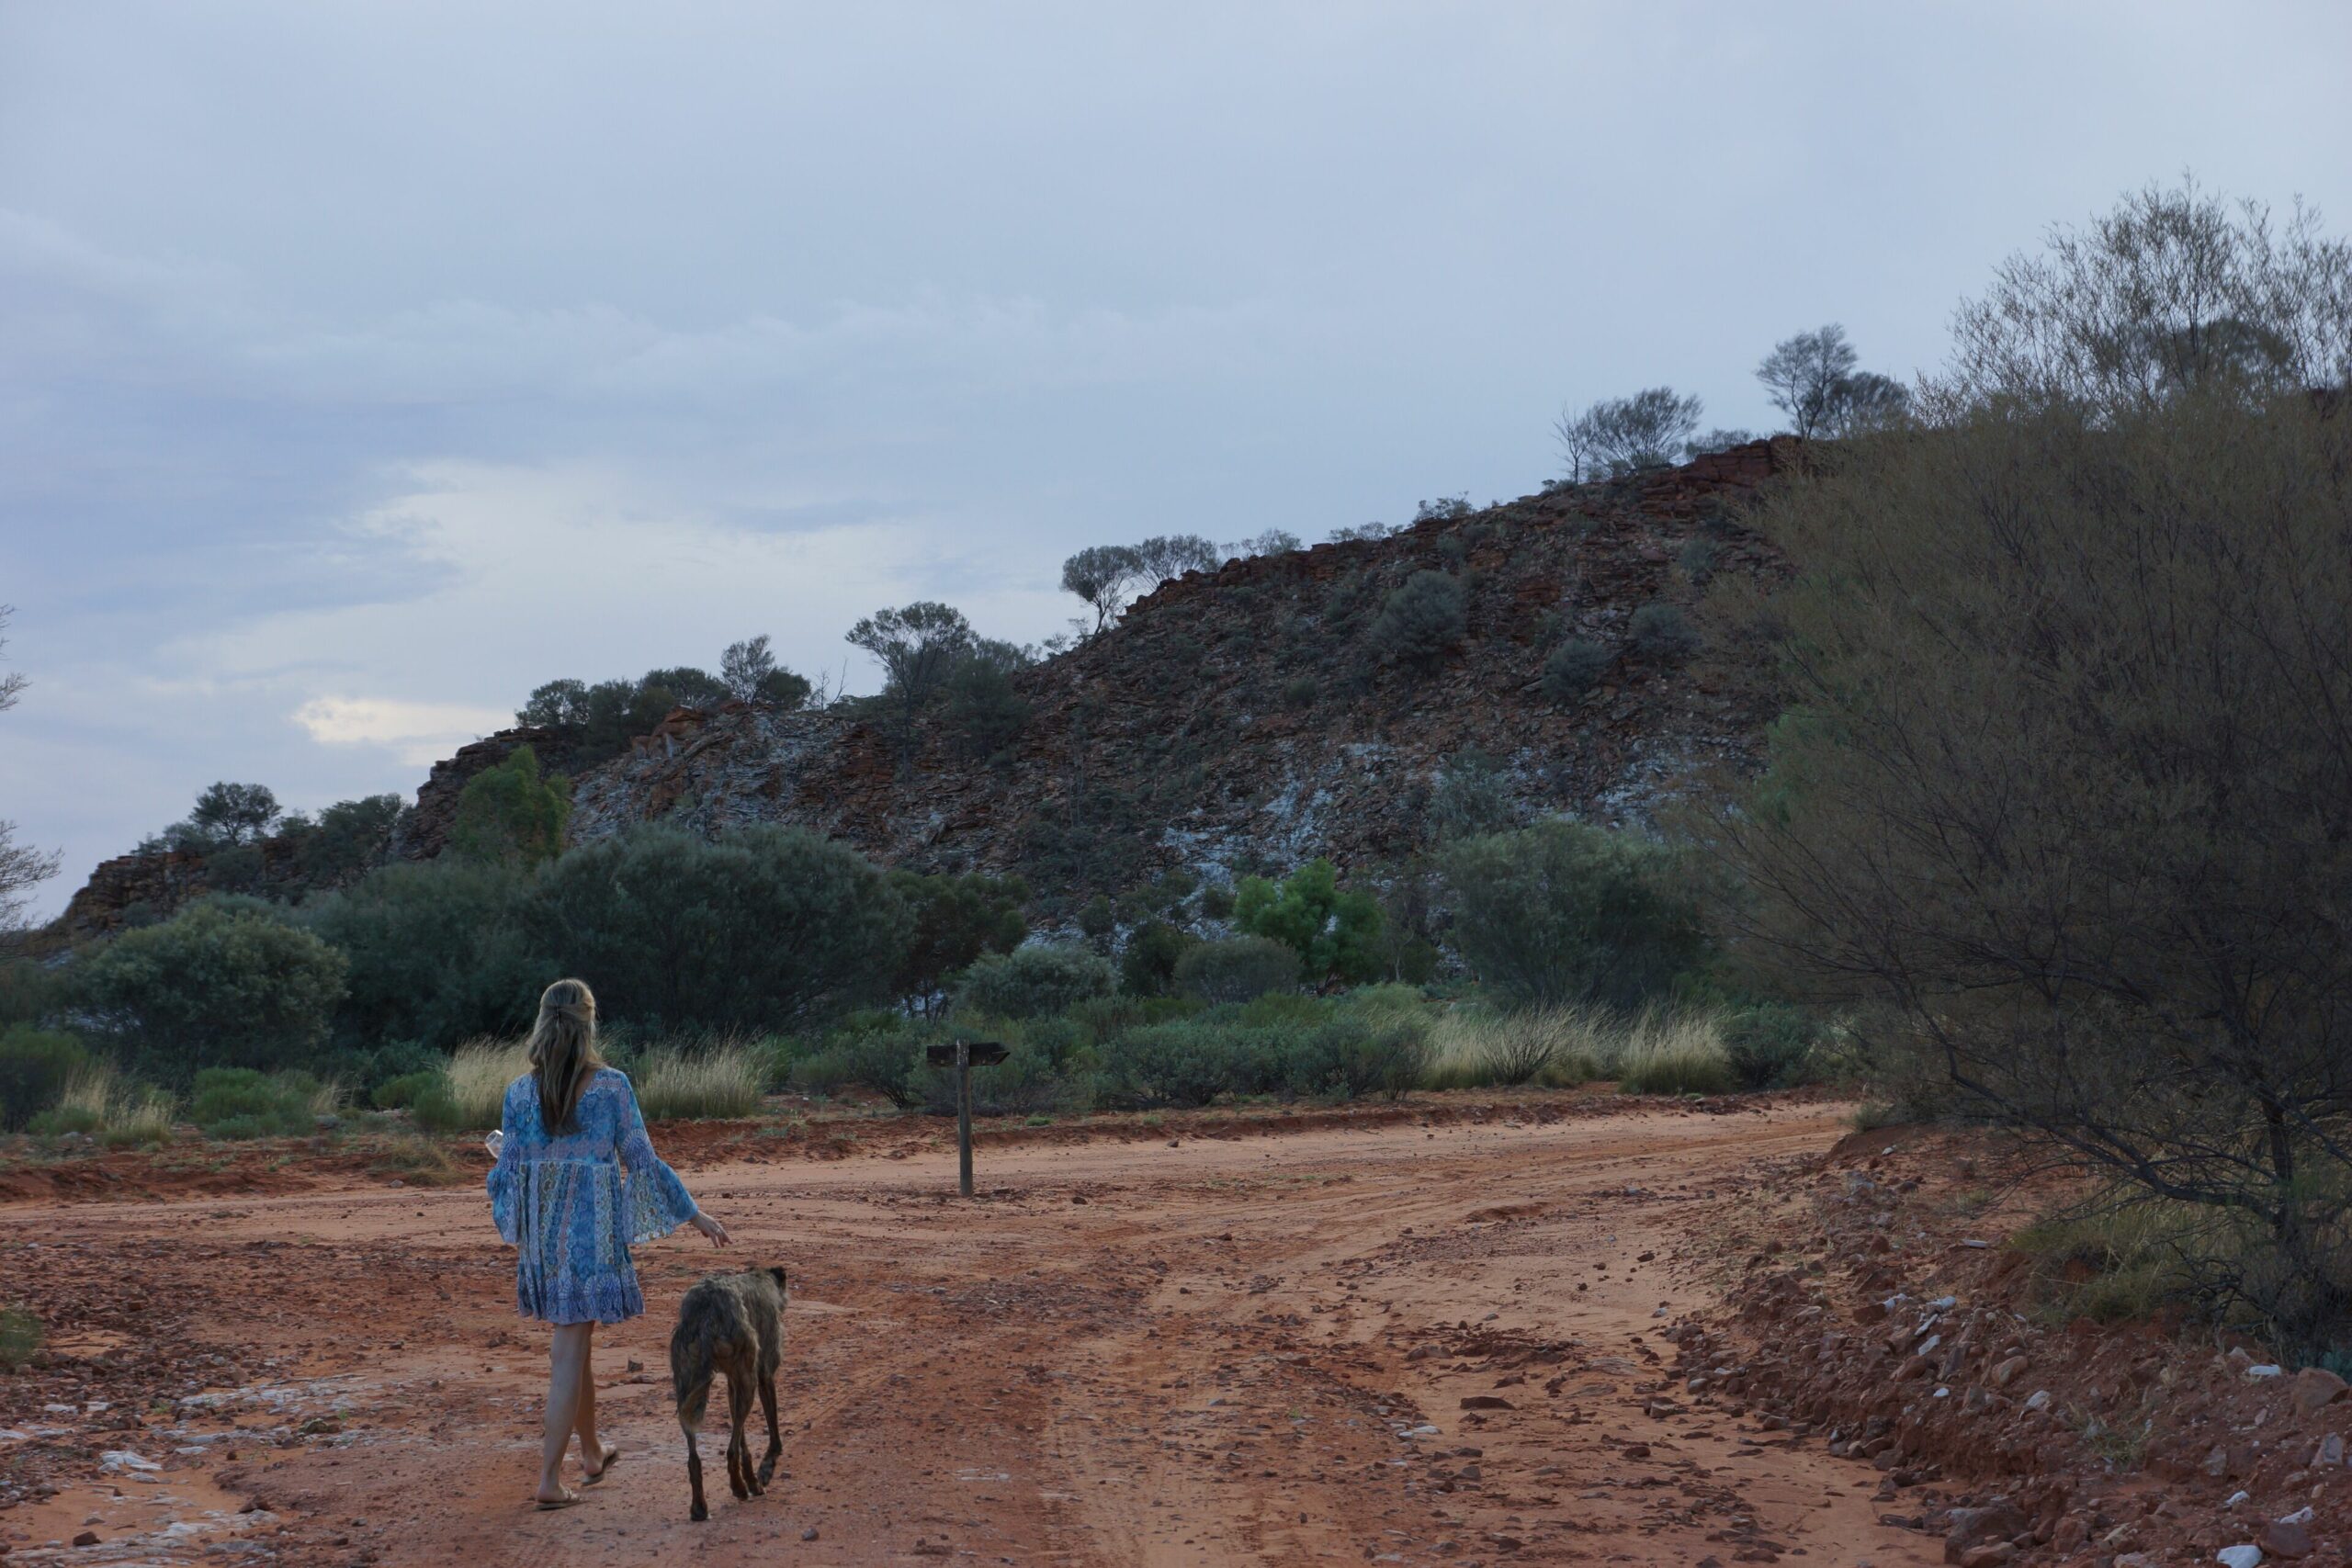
(123, 1458)
(2301, 1516)
(2039, 1400)
(2235, 1498)
(1944, 1303)
(2268, 1370)
(2247, 1556)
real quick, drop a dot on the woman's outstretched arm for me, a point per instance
(658, 1202)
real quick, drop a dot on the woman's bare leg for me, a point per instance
(592, 1447)
(567, 1372)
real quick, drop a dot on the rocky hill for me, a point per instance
(1242, 719)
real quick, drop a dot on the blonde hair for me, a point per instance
(563, 1051)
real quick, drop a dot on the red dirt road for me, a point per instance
(1246, 1351)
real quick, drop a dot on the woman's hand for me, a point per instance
(709, 1227)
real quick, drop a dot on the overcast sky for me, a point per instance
(364, 366)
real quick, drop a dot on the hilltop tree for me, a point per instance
(21, 866)
(234, 814)
(750, 674)
(1621, 436)
(1812, 379)
(919, 648)
(1100, 575)
(1165, 555)
(1272, 542)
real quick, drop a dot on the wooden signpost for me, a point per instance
(964, 1056)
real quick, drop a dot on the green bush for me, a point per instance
(435, 954)
(1034, 980)
(1562, 912)
(1148, 966)
(1236, 969)
(1335, 934)
(400, 1059)
(952, 921)
(60, 1120)
(1660, 632)
(1350, 1057)
(888, 1061)
(1572, 668)
(403, 1092)
(213, 988)
(241, 1102)
(761, 929)
(35, 1067)
(1422, 621)
(509, 814)
(20, 1337)
(1180, 1065)
(1770, 1045)
(1026, 1082)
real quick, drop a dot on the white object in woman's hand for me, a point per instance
(711, 1228)
(494, 1142)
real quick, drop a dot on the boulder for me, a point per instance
(1965, 1530)
(2314, 1389)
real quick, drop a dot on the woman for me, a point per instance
(575, 1184)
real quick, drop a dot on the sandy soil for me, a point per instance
(1397, 1342)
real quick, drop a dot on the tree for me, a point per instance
(557, 704)
(984, 707)
(761, 928)
(1165, 555)
(1812, 379)
(2172, 293)
(21, 866)
(2062, 797)
(510, 815)
(233, 813)
(1621, 436)
(1272, 542)
(919, 649)
(1035, 981)
(213, 987)
(347, 838)
(1716, 440)
(953, 922)
(684, 686)
(1332, 932)
(745, 666)
(1563, 913)
(435, 954)
(1100, 575)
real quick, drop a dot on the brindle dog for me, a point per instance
(731, 1323)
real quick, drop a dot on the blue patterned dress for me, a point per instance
(573, 1205)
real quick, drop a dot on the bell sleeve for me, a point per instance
(657, 1202)
(505, 1178)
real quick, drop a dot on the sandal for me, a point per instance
(570, 1499)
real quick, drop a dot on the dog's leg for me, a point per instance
(701, 1510)
(775, 1439)
(738, 1452)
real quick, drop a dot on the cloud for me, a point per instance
(420, 733)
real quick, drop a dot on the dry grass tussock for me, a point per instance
(479, 1071)
(100, 1103)
(1674, 1053)
(1654, 1052)
(707, 1079)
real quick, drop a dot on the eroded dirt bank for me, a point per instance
(1404, 1343)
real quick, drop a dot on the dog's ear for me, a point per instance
(778, 1272)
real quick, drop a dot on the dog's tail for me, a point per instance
(689, 1375)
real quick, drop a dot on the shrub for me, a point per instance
(718, 1081)
(1148, 967)
(1473, 796)
(951, 923)
(1333, 933)
(403, 1093)
(1660, 632)
(213, 988)
(1236, 969)
(35, 1067)
(20, 1337)
(1033, 980)
(435, 954)
(1697, 560)
(1674, 1054)
(1422, 621)
(1027, 1082)
(761, 929)
(1347, 1058)
(888, 1061)
(241, 1102)
(1474, 1046)
(1572, 668)
(1770, 1045)
(400, 1059)
(1566, 913)
(1177, 1065)
(1216, 901)
(1299, 692)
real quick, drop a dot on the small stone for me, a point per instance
(2038, 1400)
(2245, 1556)
(2290, 1537)
(2004, 1371)
(2267, 1369)
(808, 1534)
(2072, 1531)
(1989, 1556)
(87, 1538)
(635, 1365)
(2235, 1497)
(1965, 1530)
